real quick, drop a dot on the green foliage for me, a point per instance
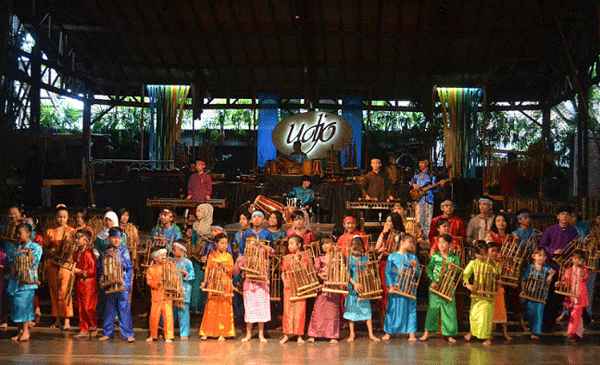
(60, 116)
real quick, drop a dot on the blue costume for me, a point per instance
(197, 297)
(401, 312)
(424, 207)
(183, 313)
(21, 295)
(102, 242)
(118, 304)
(524, 234)
(305, 196)
(356, 310)
(261, 234)
(534, 311)
(277, 235)
(171, 234)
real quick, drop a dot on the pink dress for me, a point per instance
(578, 277)
(325, 319)
(294, 313)
(257, 301)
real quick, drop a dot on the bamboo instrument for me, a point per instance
(314, 249)
(275, 282)
(10, 232)
(457, 248)
(172, 282)
(217, 281)
(513, 254)
(256, 267)
(301, 276)
(407, 281)
(23, 268)
(535, 287)
(338, 275)
(113, 277)
(485, 280)
(450, 277)
(369, 280)
(568, 286)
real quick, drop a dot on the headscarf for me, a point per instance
(159, 252)
(114, 220)
(204, 219)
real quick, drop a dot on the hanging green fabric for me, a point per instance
(459, 113)
(166, 104)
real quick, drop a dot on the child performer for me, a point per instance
(534, 311)
(325, 319)
(166, 230)
(500, 316)
(118, 303)
(21, 294)
(187, 269)
(350, 232)
(401, 313)
(482, 308)
(355, 309)
(85, 284)
(294, 313)
(218, 312)
(577, 276)
(161, 306)
(438, 306)
(299, 220)
(256, 297)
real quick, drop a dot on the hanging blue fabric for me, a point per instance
(267, 120)
(352, 112)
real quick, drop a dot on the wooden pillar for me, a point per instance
(582, 142)
(87, 128)
(546, 128)
(5, 15)
(34, 92)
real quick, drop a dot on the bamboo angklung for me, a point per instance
(23, 266)
(513, 254)
(216, 281)
(369, 280)
(113, 277)
(314, 248)
(302, 277)
(535, 287)
(450, 276)
(172, 282)
(485, 280)
(338, 275)
(458, 249)
(275, 282)
(10, 232)
(407, 281)
(568, 287)
(256, 267)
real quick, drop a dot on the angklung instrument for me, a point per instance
(275, 282)
(113, 276)
(10, 232)
(314, 250)
(513, 254)
(407, 281)
(173, 203)
(172, 281)
(485, 280)
(449, 278)
(300, 274)
(217, 281)
(369, 281)
(256, 267)
(390, 243)
(535, 286)
(568, 285)
(338, 275)
(24, 266)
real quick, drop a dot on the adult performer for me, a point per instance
(200, 184)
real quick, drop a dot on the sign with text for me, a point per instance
(318, 132)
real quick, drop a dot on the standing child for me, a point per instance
(355, 309)
(482, 307)
(20, 292)
(401, 312)
(500, 315)
(325, 319)
(539, 270)
(256, 297)
(185, 266)
(576, 276)
(161, 305)
(85, 284)
(218, 312)
(438, 306)
(294, 313)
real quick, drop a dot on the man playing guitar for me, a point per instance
(422, 185)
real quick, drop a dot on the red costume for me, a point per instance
(86, 290)
(307, 237)
(457, 231)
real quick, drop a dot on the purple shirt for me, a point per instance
(557, 238)
(200, 186)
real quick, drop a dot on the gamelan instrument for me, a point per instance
(485, 280)
(217, 281)
(450, 276)
(275, 282)
(407, 281)
(257, 254)
(23, 268)
(535, 286)
(338, 275)
(369, 280)
(370, 205)
(172, 282)
(301, 276)
(513, 254)
(173, 203)
(568, 285)
(113, 276)
(416, 194)
(268, 205)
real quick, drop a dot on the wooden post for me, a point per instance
(34, 91)
(582, 142)
(87, 127)
(142, 124)
(546, 127)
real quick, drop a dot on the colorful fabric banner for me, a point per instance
(352, 112)
(267, 120)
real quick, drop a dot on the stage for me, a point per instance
(50, 346)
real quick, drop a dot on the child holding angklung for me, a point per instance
(185, 266)
(294, 312)
(217, 320)
(401, 312)
(357, 310)
(255, 293)
(440, 310)
(576, 277)
(540, 271)
(161, 305)
(325, 319)
(500, 315)
(481, 313)
(86, 289)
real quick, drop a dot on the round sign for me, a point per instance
(318, 132)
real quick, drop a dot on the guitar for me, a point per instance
(416, 194)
